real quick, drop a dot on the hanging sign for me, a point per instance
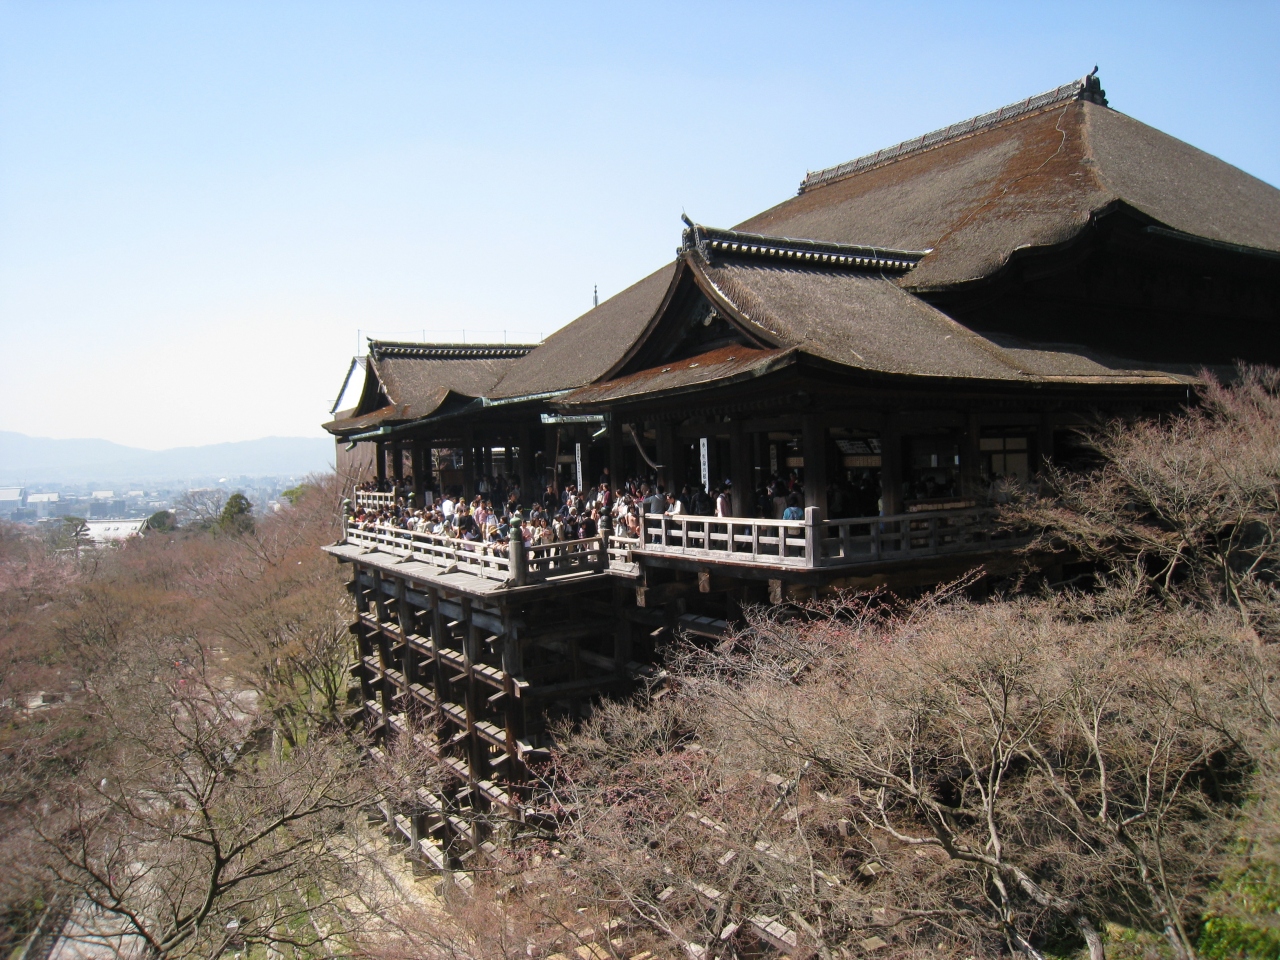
(706, 464)
(577, 459)
(551, 418)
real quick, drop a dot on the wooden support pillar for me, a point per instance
(486, 464)
(553, 457)
(622, 631)
(470, 655)
(815, 463)
(528, 491)
(512, 670)
(416, 459)
(744, 493)
(439, 641)
(408, 657)
(384, 649)
(380, 460)
(363, 648)
(615, 454)
(506, 457)
(891, 467)
(758, 441)
(468, 464)
(971, 457)
(667, 475)
(1044, 441)
(397, 461)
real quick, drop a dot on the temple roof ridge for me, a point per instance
(713, 243)
(381, 349)
(1088, 87)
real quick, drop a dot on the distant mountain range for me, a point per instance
(27, 460)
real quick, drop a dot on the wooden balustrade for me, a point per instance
(728, 539)
(467, 556)
(811, 543)
(372, 500)
(926, 534)
(517, 564)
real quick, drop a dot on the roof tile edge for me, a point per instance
(710, 241)
(381, 349)
(1088, 87)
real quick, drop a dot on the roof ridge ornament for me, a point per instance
(383, 349)
(1088, 87)
(715, 244)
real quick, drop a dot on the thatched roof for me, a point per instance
(975, 196)
(835, 273)
(588, 347)
(410, 381)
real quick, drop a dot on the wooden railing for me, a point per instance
(926, 534)
(512, 563)
(478, 559)
(731, 539)
(372, 500)
(806, 544)
(812, 543)
(620, 549)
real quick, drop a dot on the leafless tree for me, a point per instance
(202, 507)
(189, 836)
(282, 610)
(1005, 776)
(1188, 505)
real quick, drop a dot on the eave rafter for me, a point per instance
(713, 244)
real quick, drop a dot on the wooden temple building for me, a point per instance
(909, 328)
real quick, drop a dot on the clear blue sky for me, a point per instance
(201, 204)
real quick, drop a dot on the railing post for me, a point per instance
(812, 541)
(516, 558)
(605, 530)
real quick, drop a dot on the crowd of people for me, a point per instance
(500, 510)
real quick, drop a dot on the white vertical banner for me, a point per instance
(706, 463)
(577, 454)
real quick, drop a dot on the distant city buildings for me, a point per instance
(50, 502)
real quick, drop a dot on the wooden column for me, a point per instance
(615, 454)
(470, 654)
(408, 657)
(506, 456)
(666, 454)
(971, 458)
(380, 459)
(439, 641)
(553, 455)
(891, 467)
(384, 647)
(363, 637)
(428, 472)
(416, 459)
(528, 492)
(815, 463)
(1044, 441)
(622, 632)
(397, 461)
(512, 670)
(744, 494)
(468, 464)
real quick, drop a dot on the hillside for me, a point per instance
(28, 460)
